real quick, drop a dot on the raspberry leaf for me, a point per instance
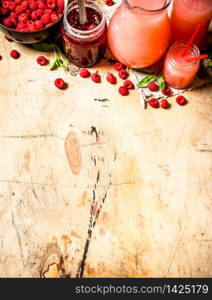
(147, 79)
(162, 83)
(44, 47)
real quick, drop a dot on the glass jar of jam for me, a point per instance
(85, 44)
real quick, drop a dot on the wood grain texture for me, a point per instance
(131, 197)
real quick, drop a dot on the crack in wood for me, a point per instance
(18, 238)
(92, 222)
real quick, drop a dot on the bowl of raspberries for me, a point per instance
(30, 21)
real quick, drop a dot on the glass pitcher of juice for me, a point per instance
(186, 15)
(139, 32)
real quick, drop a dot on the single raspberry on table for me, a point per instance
(181, 100)
(111, 78)
(153, 87)
(123, 74)
(165, 104)
(96, 77)
(42, 60)
(118, 66)
(167, 91)
(14, 54)
(60, 83)
(84, 73)
(154, 103)
(129, 85)
(123, 91)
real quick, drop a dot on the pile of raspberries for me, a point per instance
(30, 15)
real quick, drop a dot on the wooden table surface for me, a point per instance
(100, 189)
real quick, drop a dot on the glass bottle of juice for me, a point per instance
(179, 71)
(139, 32)
(186, 15)
(84, 44)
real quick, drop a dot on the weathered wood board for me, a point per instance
(100, 189)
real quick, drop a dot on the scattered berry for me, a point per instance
(181, 100)
(123, 74)
(123, 91)
(109, 2)
(165, 104)
(59, 83)
(153, 87)
(14, 54)
(129, 85)
(84, 73)
(167, 91)
(96, 77)
(118, 66)
(42, 60)
(111, 78)
(154, 103)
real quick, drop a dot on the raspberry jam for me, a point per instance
(84, 44)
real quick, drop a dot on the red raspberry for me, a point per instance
(34, 16)
(32, 4)
(60, 3)
(123, 91)
(111, 78)
(129, 85)
(42, 60)
(109, 2)
(118, 66)
(167, 91)
(24, 6)
(59, 10)
(14, 54)
(23, 18)
(51, 4)
(59, 83)
(46, 18)
(39, 12)
(54, 18)
(154, 103)
(123, 74)
(8, 39)
(8, 22)
(38, 24)
(96, 77)
(4, 12)
(181, 100)
(18, 10)
(84, 73)
(165, 104)
(12, 6)
(41, 5)
(48, 11)
(50, 24)
(6, 4)
(153, 87)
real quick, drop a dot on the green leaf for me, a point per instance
(62, 65)
(44, 47)
(54, 65)
(147, 79)
(162, 83)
